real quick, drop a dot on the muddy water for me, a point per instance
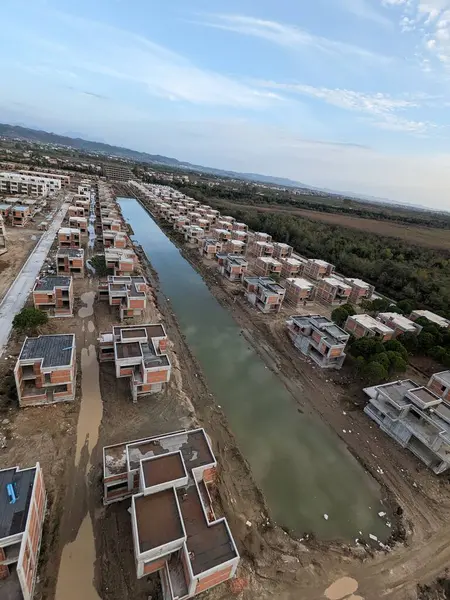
(303, 469)
(77, 568)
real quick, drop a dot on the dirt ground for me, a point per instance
(424, 236)
(19, 242)
(67, 440)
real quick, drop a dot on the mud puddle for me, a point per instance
(88, 310)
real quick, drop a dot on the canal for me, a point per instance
(303, 469)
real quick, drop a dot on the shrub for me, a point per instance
(30, 319)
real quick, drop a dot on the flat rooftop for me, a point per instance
(208, 545)
(71, 252)
(359, 282)
(431, 316)
(193, 446)
(335, 282)
(53, 350)
(397, 390)
(399, 320)
(443, 376)
(21, 208)
(269, 260)
(320, 262)
(149, 331)
(158, 519)
(300, 283)
(371, 323)
(49, 283)
(294, 262)
(5, 206)
(13, 517)
(68, 230)
(425, 397)
(163, 468)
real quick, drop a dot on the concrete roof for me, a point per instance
(371, 323)
(300, 282)
(13, 517)
(53, 350)
(399, 320)
(49, 283)
(433, 317)
(336, 282)
(72, 252)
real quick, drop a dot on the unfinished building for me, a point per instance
(232, 266)
(138, 353)
(70, 262)
(220, 234)
(128, 293)
(20, 215)
(360, 290)
(77, 212)
(54, 295)
(45, 371)
(334, 291)
(294, 266)
(2, 236)
(263, 249)
(266, 266)
(440, 384)
(399, 323)
(175, 530)
(121, 261)
(209, 247)
(431, 316)
(264, 293)
(318, 338)
(299, 291)
(415, 417)
(69, 237)
(193, 233)
(80, 223)
(366, 326)
(22, 512)
(317, 269)
(114, 239)
(281, 250)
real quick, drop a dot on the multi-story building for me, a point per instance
(22, 513)
(266, 266)
(263, 249)
(69, 237)
(399, 323)
(332, 290)
(240, 236)
(64, 179)
(440, 384)
(208, 248)
(299, 291)
(27, 185)
(258, 236)
(415, 417)
(193, 233)
(115, 239)
(84, 189)
(360, 290)
(122, 261)
(264, 293)
(318, 269)
(77, 212)
(139, 354)
(2, 236)
(431, 316)
(366, 326)
(45, 371)
(82, 202)
(235, 247)
(222, 235)
(232, 266)
(281, 250)
(20, 215)
(80, 223)
(70, 261)
(243, 227)
(181, 222)
(292, 266)
(54, 295)
(174, 527)
(319, 338)
(5, 210)
(128, 293)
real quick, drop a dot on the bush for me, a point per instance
(397, 364)
(339, 315)
(409, 341)
(30, 319)
(374, 373)
(396, 346)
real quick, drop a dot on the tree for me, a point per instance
(382, 359)
(409, 341)
(396, 346)
(339, 315)
(349, 308)
(406, 306)
(374, 373)
(397, 364)
(30, 319)
(425, 341)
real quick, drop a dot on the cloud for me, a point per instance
(112, 53)
(382, 108)
(289, 36)
(364, 10)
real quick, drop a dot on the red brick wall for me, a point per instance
(213, 579)
(157, 376)
(4, 572)
(153, 566)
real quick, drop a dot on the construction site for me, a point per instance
(169, 468)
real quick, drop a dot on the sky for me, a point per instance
(351, 95)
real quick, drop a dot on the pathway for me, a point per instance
(17, 295)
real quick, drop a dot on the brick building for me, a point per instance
(138, 353)
(233, 267)
(54, 295)
(299, 291)
(175, 530)
(264, 293)
(366, 326)
(69, 237)
(80, 223)
(209, 247)
(20, 215)
(319, 338)
(318, 269)
(128, 293)
(23, 503)
(70, 261)
(45, 371)
(281, 250)
(399, 323)
(266, 266)
(121, 261)
(334, 291)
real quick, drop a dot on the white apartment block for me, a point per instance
(28, 185)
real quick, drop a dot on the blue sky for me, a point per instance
(346, 94)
